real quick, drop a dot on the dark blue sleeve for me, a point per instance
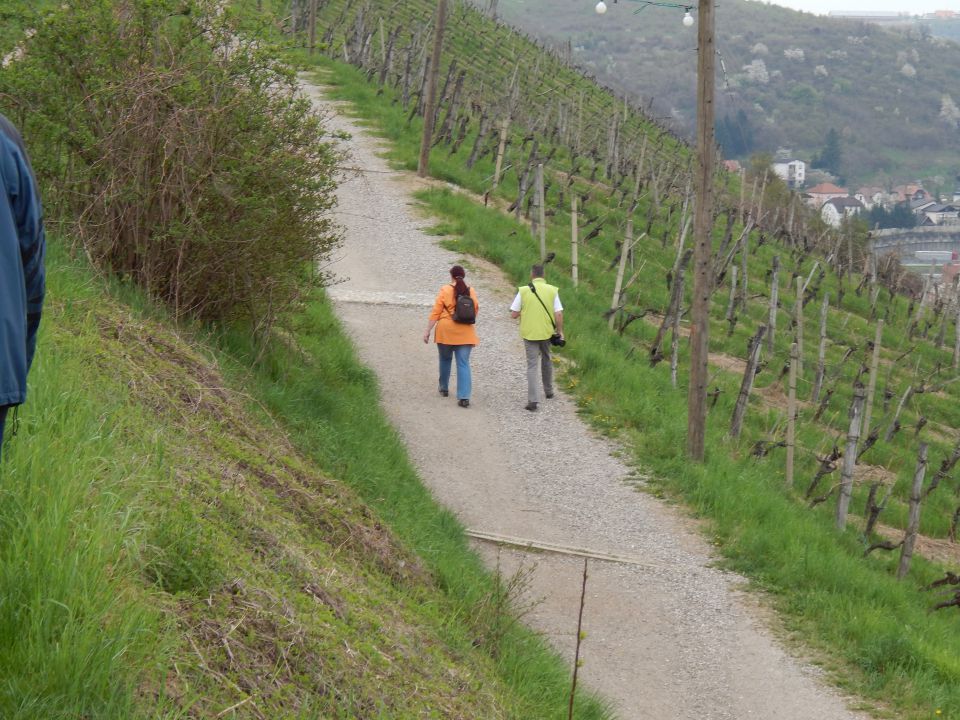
(28, 215)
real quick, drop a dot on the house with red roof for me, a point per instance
(819, 194)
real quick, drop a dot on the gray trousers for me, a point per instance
(538, 350)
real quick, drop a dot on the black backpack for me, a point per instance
(464, 311)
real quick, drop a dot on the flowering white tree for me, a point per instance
(908, 70)
(820, 71)
(949, 112)
(794, 54)
(757, 71)
(759, 49)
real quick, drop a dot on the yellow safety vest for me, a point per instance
(535, 322)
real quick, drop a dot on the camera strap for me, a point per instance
(549, 314)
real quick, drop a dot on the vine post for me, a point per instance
(429, 111)
(850, 457)
(791, 415)
(913, 521)
(574, 241)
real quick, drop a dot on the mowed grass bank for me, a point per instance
(877, 636)
(173, 544)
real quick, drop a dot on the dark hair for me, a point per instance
(458, 273)
(537, 271)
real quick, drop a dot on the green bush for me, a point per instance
(181, 153)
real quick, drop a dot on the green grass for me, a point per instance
(876, 634)
(166, 551)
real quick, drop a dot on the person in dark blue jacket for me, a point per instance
(22, 276)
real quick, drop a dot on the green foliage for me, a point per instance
(831, 156)
(180, 152)
(900, 216)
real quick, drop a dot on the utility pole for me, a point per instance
(702, 231)
(434, 73)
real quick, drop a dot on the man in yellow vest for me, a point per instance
(541, 316)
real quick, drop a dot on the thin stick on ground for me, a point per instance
(576, 653)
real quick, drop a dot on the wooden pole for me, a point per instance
(792, 414)
(504, 126)
(821, 350)
(746, 385)
(703, 231)
(624, 251)
(774, 292)
(675, 326)
(576, 653)
(850, 457)
(426, 141)
(872, 380)
(313, 26)
(743, 187)
(574, 240)
(732, 303)
(913, 521)
(956, 341)
(541, 212)
(799, 318)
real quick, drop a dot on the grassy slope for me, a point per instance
(164, 552)
(879, 634)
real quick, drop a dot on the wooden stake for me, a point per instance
(821, 350)
(702, 232)
(792, 414)
(913, 521)
(774, 292)
(799, 319)
(504, 126)
(872, 380)
(576, 653)
(429, 112)
(956, 341)
(624, 251)
(675, 326)
(753, 357)
(574, 240)
(541, 211)
(313, 26)
(731, 304)
(894, 423)
(850, 457)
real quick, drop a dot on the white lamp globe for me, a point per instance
(601, 7)
(687, 19)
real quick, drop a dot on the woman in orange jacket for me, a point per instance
(453, 338)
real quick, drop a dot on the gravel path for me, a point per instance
(671, 638)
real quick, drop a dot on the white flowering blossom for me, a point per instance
(949, 112)
(757, 72)
(820, 71)
(759, 49)
(908, 70)
(793, 54)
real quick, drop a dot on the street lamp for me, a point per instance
(601, 9)
(702, 220)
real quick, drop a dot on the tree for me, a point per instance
(831, 157)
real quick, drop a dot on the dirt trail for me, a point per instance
(670, 638)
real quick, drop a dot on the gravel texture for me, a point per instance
(671, 638)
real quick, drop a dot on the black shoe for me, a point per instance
(445, 393)
(463, 402)
(549, 395)
(531, 406)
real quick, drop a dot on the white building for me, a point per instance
(792, 172)
(836, 209)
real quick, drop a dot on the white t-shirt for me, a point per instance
(557, 307)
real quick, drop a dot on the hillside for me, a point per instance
(788, 77)
(784, 538)
(189, 558)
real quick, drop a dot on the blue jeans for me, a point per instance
(464, 381)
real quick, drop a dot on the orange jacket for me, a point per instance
(449, 332)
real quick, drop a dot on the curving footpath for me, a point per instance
(668, 637)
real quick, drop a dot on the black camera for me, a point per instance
(557, 340)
